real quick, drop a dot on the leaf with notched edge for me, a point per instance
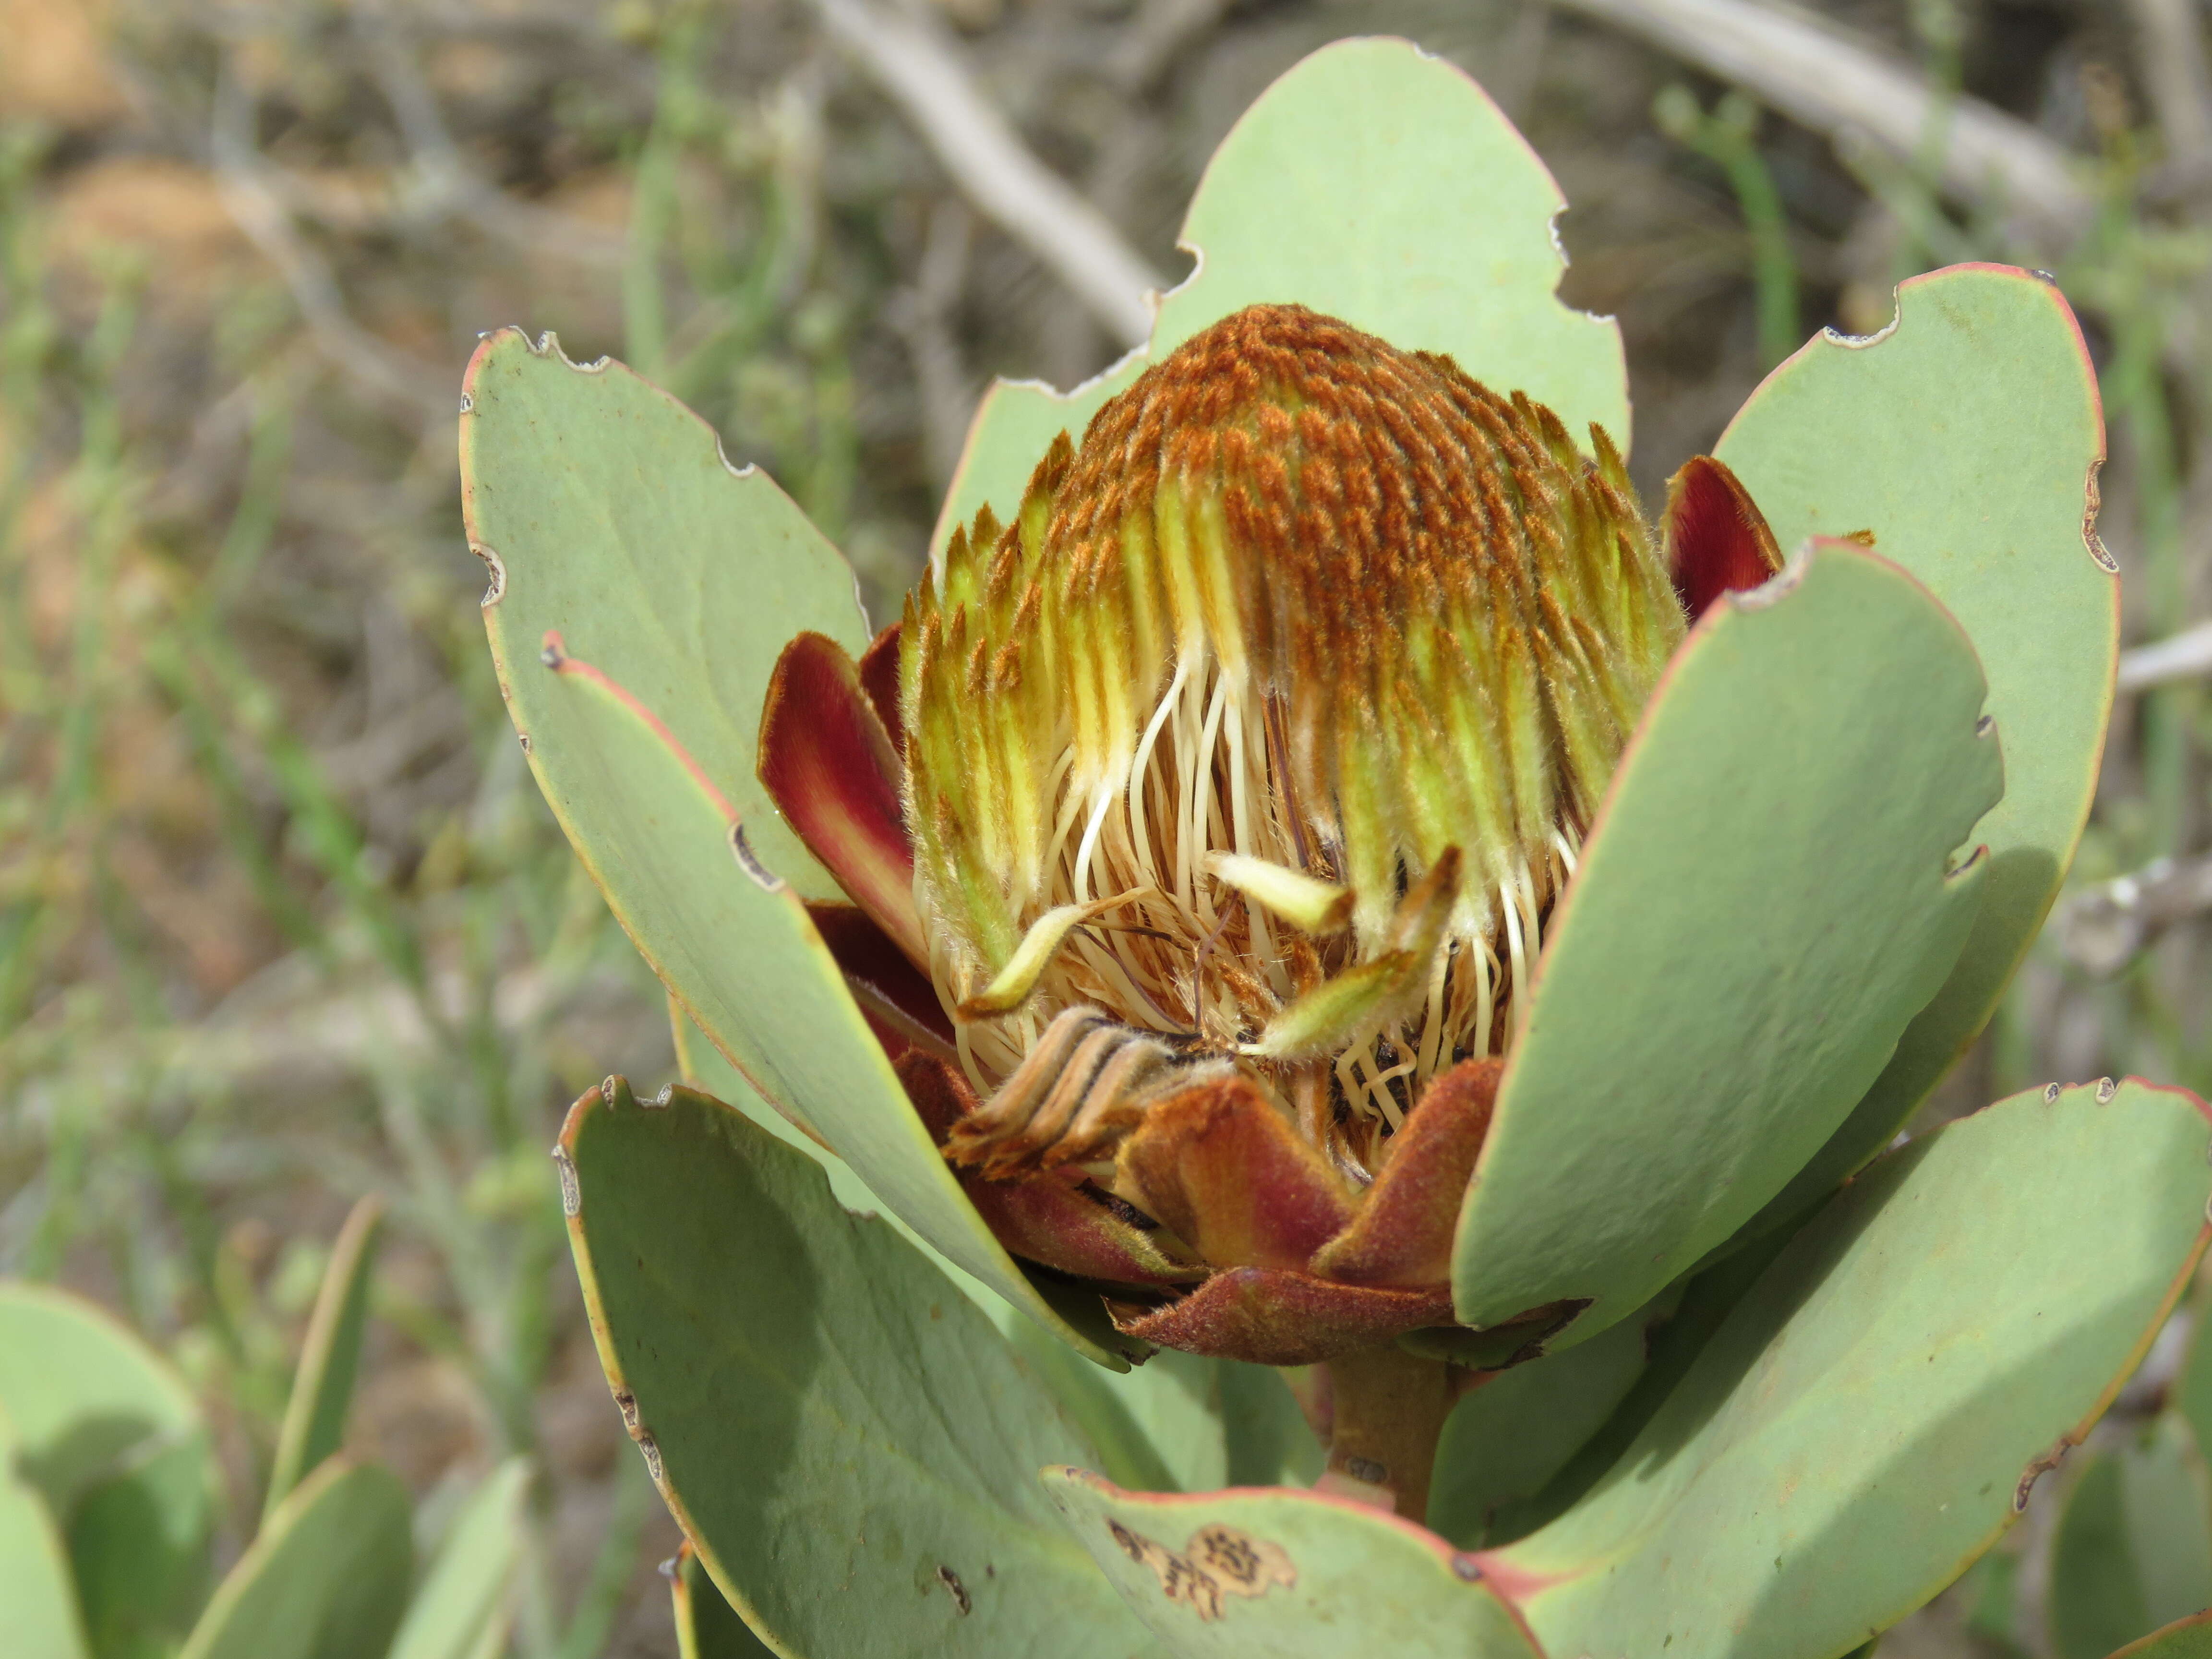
(850, 1444)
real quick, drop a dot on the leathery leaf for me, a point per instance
(846, 1440)
(1876, 1411)
(330, 1356)
(641, 581)
(1377, 184)
(1966, 438)
(1764, 902)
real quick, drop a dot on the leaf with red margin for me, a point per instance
(829, 766)
(1966, 438)
(1871, 1416)
(611, 514)
(1289, 1574)
(1717, 540)
(1403, 1234)
(2184, 1639)
(1274, 1316)
(607, 512)
(1220, 1167)
(733, 944)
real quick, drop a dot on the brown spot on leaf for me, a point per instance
(1219, 1560)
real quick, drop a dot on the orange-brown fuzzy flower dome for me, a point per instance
(1265, 735)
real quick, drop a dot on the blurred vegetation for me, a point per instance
(284, 923)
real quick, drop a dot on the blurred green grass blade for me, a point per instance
(465, 1602)
(707, 1627)
(38, 1602)
(326, 1578)
(1729, 138)
(797, 1376)
(2192, 1389)
(1991, 1593)
(2133, 1549)
(593, 1617)
(330, 1359)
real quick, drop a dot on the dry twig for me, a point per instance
(2185, 656)
(2104, 927)
(1834, 82)
(444, 183)
(2170, 46)
(914, 63)
(408, 388)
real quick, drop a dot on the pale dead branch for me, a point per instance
(2186, 656)
(915, 63)
(404, 387)
(1833, 80)
(2104, 927)
(2170, 49)
(443, 184)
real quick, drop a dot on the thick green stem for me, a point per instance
(1388, 1408)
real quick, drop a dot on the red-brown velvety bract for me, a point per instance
(900, 1004)
(830, 767)
(1045, 1219)
(879, 679)
(1717, 540)
(1403, 1233)
(1274, 1316)
(1225, 1169)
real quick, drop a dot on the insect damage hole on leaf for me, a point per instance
(2091, 501)
(749, 862)
(956, 1589)
(497, 568)
(2036, 1470)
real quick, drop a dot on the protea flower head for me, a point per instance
(1239, 769)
